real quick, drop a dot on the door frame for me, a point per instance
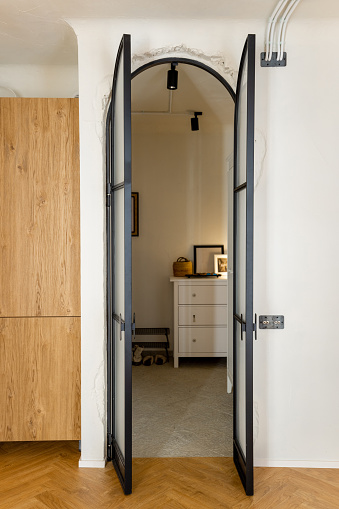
(215, 74)
(187, 61)
(230, 90)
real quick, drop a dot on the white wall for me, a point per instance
(182, 183)
(296, 253)
(296, 210)
(40, 80)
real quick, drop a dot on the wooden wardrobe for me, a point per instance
(40, 269)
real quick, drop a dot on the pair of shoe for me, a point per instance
(137, 355)
(147, 360)
(158, 359)
(139, 359)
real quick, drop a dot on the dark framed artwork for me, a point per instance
(135, 214)
(204, 258)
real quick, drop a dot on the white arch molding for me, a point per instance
(217, 62)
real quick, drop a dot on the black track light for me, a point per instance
(172, 77)
(195, 121)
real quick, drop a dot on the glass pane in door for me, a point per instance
(241, 128)
(119, 311)
(240, 310)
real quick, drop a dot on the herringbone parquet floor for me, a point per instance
(46, 475)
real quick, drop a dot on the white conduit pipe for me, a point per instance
(268, 31)
(271, 27)
(283, 26)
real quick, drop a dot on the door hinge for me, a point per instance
(255, 328)
(109, 446)
(108, 194)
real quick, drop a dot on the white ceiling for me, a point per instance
(35, 31)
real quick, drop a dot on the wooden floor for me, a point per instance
(46, 475)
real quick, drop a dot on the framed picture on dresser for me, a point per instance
(220, 264)
(204, 257)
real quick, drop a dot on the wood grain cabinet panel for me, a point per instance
(40, 269)
(39, 207)
(39, 379)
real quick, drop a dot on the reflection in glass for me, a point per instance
(241, 129)
(119, 265)
(240, 253)
(241, 388)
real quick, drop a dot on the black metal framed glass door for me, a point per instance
(243, 326)
(119, 269)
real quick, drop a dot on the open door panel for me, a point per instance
(243, 326)
(119, 269)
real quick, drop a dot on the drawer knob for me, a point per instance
(194, 294)
(193, 318)
(194, 340)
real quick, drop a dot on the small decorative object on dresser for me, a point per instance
(200, 318)
(220, 264)
(182, 267)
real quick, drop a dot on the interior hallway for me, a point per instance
(45, 475)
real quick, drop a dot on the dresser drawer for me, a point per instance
(204, 294)
(202, 315)
(203, 340)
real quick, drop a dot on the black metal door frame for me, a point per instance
(124, 465)
(188, 61)
(244, 459)
(122, 460)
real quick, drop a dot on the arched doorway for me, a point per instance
(182, 180)
(120, 324)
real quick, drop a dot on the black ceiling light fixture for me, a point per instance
(195, 121)
(172, 77)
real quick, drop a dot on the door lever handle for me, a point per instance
(122, 326)
(243, 328)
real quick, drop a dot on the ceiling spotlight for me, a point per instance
(172, 77)
(195, 121)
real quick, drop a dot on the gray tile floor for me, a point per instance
(182, 412)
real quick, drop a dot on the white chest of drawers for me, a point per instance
(200, 317)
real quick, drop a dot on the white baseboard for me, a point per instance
(259, 462)
(92, 463)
